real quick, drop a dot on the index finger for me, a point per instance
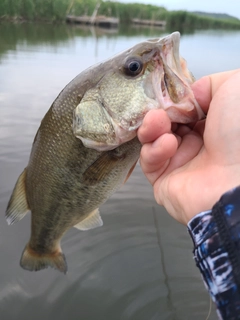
(155, 123)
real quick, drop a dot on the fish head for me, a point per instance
(150, 75)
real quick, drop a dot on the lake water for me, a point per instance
(139, 265)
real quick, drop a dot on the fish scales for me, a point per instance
(61, 173)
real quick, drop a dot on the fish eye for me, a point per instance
(133, 66)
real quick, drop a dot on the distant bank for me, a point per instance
(58, 10)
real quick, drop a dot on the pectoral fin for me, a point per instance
(130, 171)
(17, 205)
(94, 220)
(98, 171)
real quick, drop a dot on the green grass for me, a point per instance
(126, 12)
(49, 10)
(56, 10)
(183, 20)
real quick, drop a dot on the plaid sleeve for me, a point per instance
(216, 239)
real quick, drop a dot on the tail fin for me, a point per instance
(33, 261)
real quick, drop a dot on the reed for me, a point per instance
(49, 10)
(183, 20)
(126, 12)
(56, 10)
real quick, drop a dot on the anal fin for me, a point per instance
(17, 205)
(92, 221)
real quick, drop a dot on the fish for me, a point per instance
(87, 147)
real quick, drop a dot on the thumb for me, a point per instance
(205, 88)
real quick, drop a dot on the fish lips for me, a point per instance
(175, 95)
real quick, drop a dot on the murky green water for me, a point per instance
(139, 265)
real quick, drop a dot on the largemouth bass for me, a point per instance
(86, 146)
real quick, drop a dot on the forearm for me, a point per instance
(216, 238)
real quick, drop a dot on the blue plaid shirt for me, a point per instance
(216, 238)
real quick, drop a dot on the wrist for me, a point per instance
(197, 192)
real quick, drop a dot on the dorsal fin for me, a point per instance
(94, 220)
(17, 205)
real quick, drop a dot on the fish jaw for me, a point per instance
(173, 91)
(174, 95)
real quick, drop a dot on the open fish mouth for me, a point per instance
(172, 81)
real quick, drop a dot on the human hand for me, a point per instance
(191, 168)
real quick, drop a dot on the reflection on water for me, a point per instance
(139, 264)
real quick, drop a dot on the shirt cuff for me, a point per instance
(216, 238)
